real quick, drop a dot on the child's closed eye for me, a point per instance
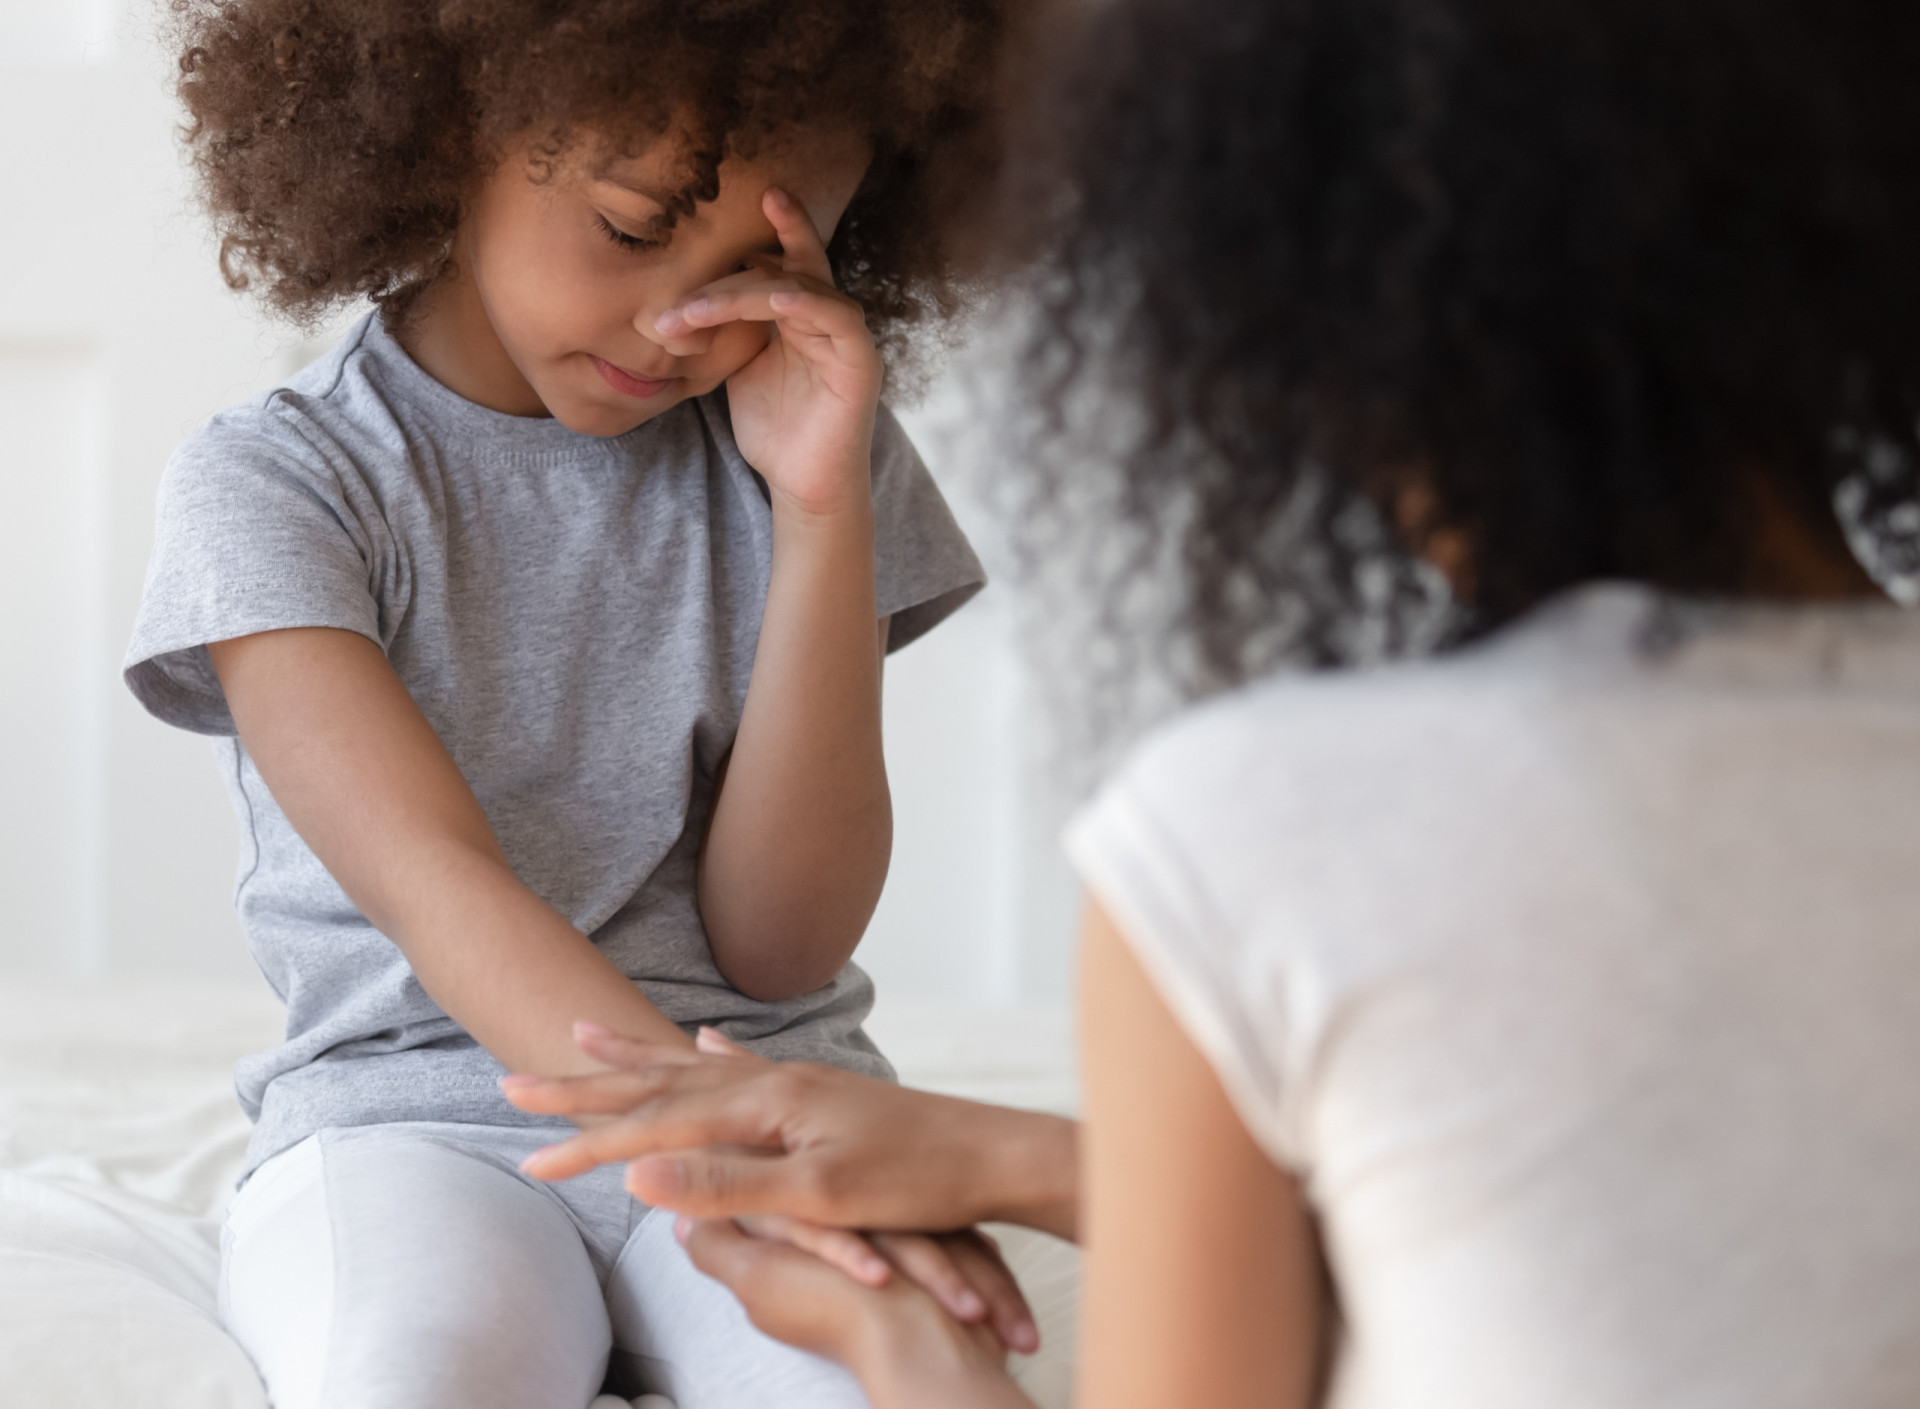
(635, 243)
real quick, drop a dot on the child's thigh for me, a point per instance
(684, 1335)
(363, 1270)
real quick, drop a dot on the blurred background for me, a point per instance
(117, 848)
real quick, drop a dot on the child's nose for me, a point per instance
(682, 342)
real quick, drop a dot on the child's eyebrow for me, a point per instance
(655, 194)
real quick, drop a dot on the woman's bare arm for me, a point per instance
(1202, 1278)
(367, 783)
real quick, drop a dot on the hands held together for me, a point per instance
(771, 1166)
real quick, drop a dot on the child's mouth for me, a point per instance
(627, 384)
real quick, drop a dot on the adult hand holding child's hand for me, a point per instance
(719, 1133)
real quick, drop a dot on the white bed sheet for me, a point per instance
(120, 1141)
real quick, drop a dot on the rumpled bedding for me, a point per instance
(120, 1141)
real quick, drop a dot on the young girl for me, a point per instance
(472, 606)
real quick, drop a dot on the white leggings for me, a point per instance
(414, 1267)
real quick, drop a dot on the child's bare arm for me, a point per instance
(363, 777)
(802, 831)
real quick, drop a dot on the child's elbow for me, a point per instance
(775, 977)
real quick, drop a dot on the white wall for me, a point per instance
(116, 337)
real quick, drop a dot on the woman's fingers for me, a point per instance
(729, 1115)
(841, 1247)
(712, 1042)
(646, 1070)
(621, 1092)
(603, 1044)
(965, 1274)
(926, 1261)
(963, 1270)
(609, 1093)
(979, 1260)
(713, 1183)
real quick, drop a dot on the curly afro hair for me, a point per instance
(1561, 289)
(337, 140)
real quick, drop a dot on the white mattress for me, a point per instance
(120, 1141)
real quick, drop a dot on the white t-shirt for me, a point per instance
(1577, 975)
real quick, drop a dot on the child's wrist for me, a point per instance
(848, 512)
(913, 1357)
(832, 486)
(827, 532)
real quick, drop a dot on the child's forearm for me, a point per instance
(508, 968)
(797, 851)
(360, 773)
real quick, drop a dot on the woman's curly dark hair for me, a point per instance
(1559, 290)
(337, 140)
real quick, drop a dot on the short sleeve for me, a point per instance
(252, 533)
(1143, 849)
(924, 568)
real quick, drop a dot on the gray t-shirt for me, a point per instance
(577, 619)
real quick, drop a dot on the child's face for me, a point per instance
(550, 272)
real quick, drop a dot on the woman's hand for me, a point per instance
(718, 1133)
(906, 1352)
(803, 409)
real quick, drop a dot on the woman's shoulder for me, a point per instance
(1604, 700)
(1294, 731)
(1593, 661)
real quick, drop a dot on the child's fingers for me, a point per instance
(699, 309)
(804, 252)
(964, 1273)
(799, 305)
(761, 269)
(789, 1294)
(979, 1260)
(926, 1261)
(841, 1247)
